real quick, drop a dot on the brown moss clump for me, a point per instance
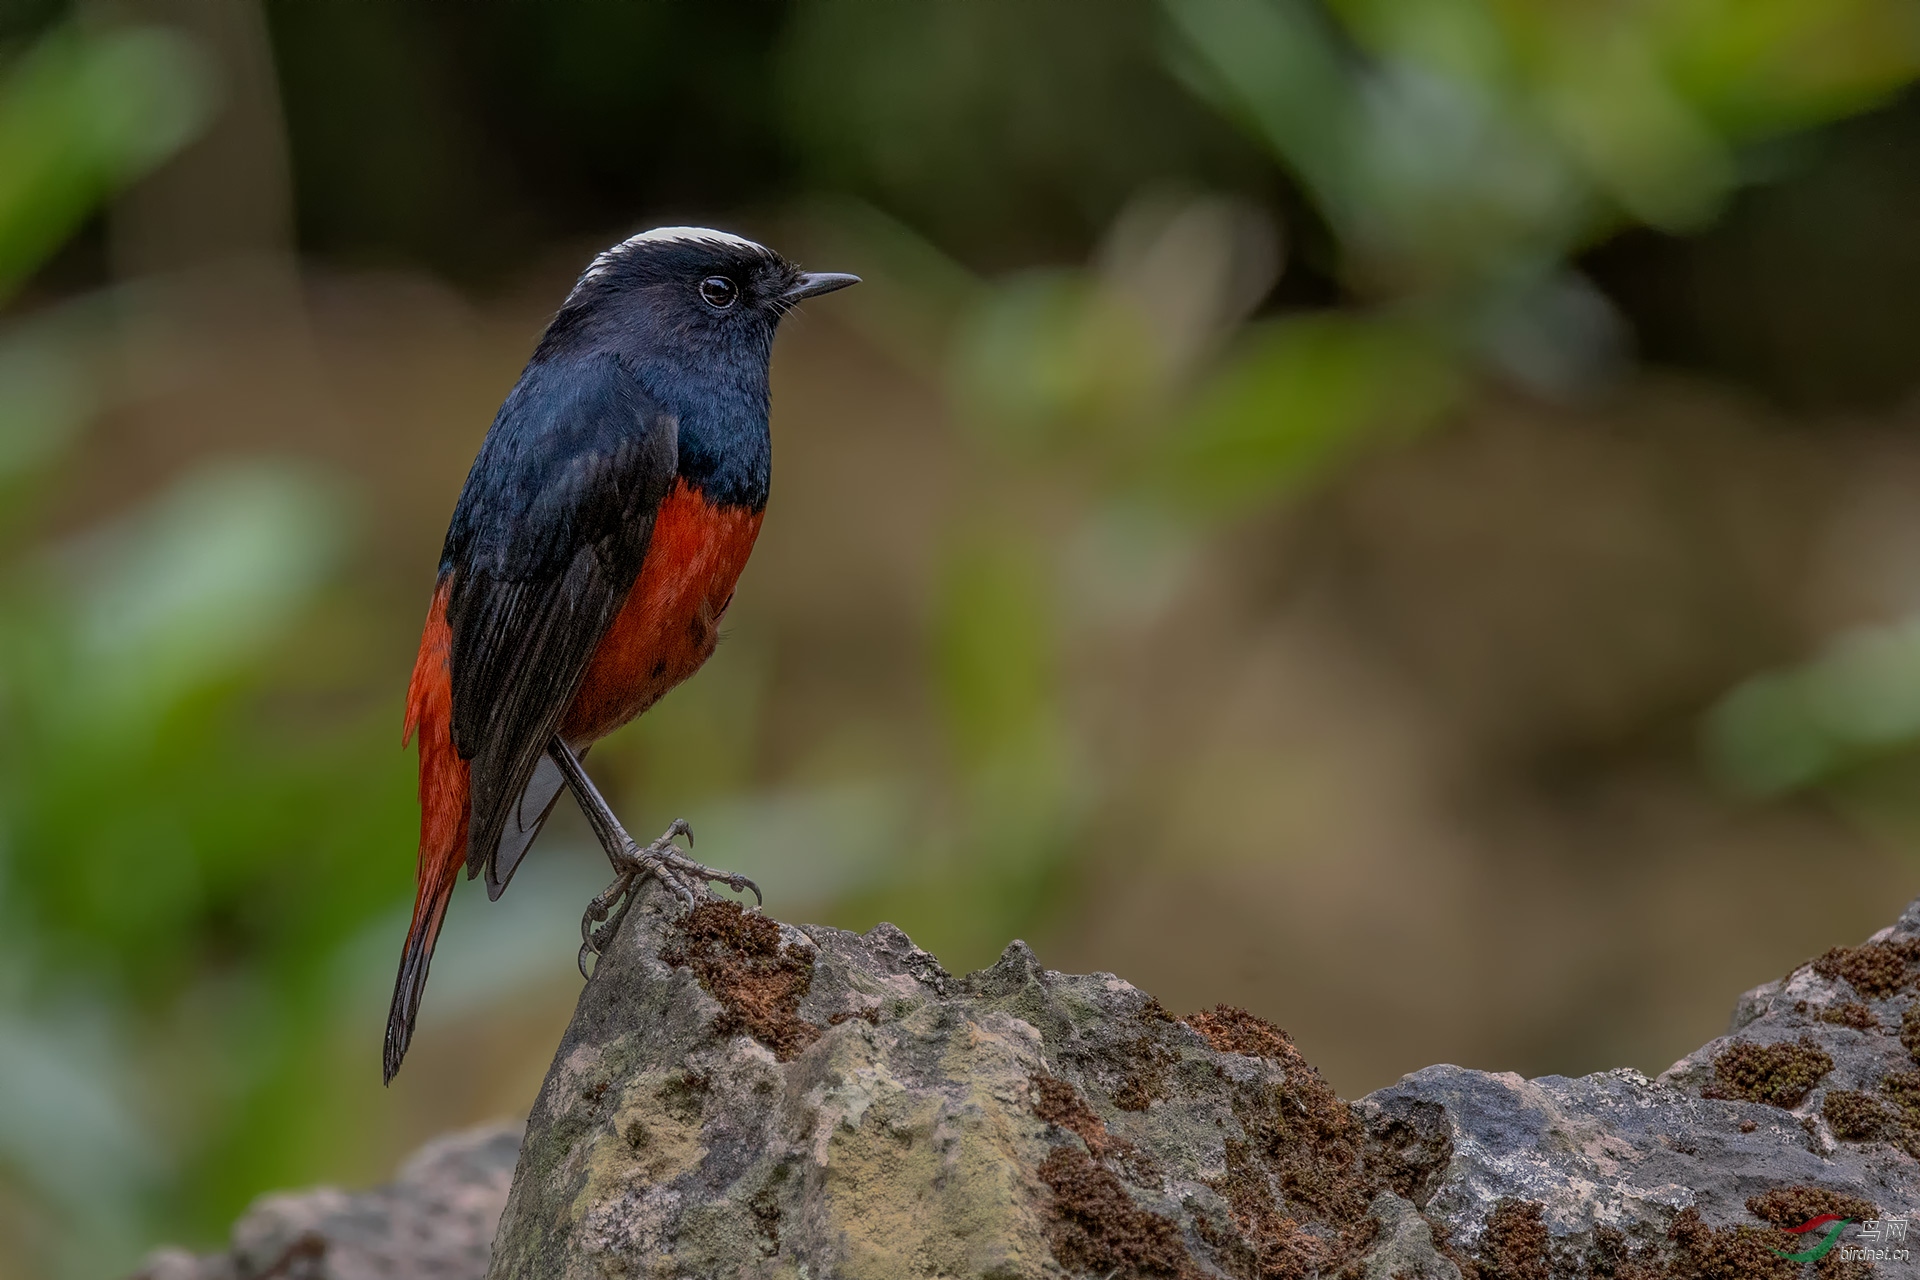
(1299, 1163)
(1731, 1253)
(1147, 1062)
(1903, 1090)
(1057, 1102)
(1233, 1030)
(1444, 1245)
(1611, 1259)
(1910, 1029)
(1876, 970)
(1275, 1247)
(740, 960)
(1146, 1080)
(1094, 1226)
(1310, 1141)
(1851, 1014)
(1780, 1075)
(1515, 1244)
(1153, 1011)
(1791, 1206)
(1853, 1116)
(1902, 1128)
(1835, 1267)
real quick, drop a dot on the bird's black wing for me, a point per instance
(524, 821)
(546, 542)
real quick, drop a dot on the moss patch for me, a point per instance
(1094, 1226)
(1057, 1102)
(1516, 1242)
(1274, 1246)
(1730, 1253)
(1610, 1258)
(1780, 1074)
(1296, 1185)
(1910, 1029)
(1307, 1138)
(1903, 1090)
(739, 959)
(1876, 970)
(1902, 1125)
(1444, 1245)
(684, 1095)
(1851, 1014)
(1147, 1063)
(1791, 1206)
(1145, 1082)
(1232, 1030)
(1853, 1116)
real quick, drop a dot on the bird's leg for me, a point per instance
(686, 878)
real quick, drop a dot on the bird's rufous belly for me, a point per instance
(670, 622)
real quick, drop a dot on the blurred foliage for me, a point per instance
(177, 866)
(1306, 233)
(1858, 700)
(1461, 154)
(81, 116)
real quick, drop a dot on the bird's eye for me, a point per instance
(719, 292)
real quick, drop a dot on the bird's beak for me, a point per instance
(815, 283)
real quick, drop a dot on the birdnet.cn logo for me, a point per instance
(1881, 1240)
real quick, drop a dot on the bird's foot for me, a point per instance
(687, 879)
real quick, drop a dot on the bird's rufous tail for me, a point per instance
(444, 781)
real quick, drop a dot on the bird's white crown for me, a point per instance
(659, 235)
(690, 233)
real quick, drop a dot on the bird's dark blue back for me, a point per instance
(556, 470)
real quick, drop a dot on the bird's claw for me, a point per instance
(688, 879)
(685, 878)
(601, 921)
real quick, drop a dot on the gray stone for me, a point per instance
(738, 1097)
(1404, 1250)
(434, 1222)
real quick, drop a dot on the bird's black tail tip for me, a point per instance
(399, 1034)
(408, 987)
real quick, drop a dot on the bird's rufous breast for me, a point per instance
(670, 622)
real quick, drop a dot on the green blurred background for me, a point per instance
(1400, 514)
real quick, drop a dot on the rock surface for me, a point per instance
(434, 1222)
(738, 1097)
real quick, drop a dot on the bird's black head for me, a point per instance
(686, 293)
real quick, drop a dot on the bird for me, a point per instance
(592, 553)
